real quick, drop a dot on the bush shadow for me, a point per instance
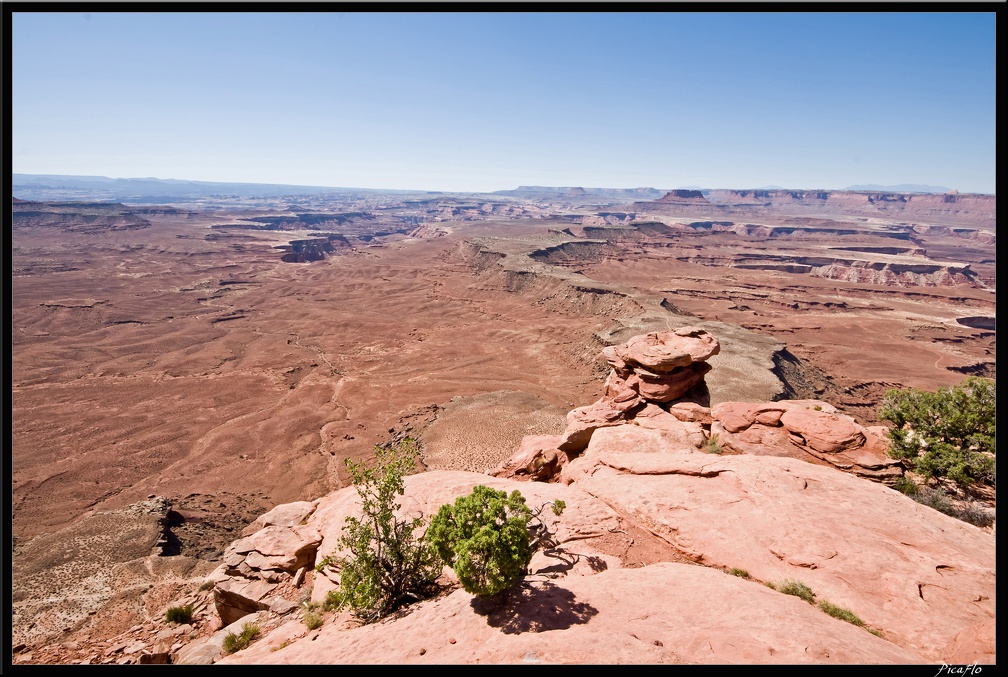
(533, 608)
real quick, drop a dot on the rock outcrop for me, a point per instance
(656, 367)
(657, 382)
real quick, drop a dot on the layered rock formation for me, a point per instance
(974, 208)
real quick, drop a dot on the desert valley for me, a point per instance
(183, 367)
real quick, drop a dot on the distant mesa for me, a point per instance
(313, 249)
(903, 188)
(683, 196)
(970, 208)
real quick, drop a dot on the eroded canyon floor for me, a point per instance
(175, 352)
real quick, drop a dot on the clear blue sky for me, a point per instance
(488, 101)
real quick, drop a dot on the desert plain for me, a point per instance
(228, 355)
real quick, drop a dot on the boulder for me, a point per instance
(538, 458)
(823, 431)
(238, 597)
(285, 548)
(664, 351)
(284, 515)
(583, 421)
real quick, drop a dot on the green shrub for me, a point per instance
(389, 564)
(949, 433)
(488, 538)
(741, 573)
(233, 642)
(840, 612)
(180, 614)
(906, 486)
(207, 585)
(796, 588)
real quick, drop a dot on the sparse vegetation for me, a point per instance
(950, 433)
(741, 573)
(233, 642)
(906, 486)
(840, 612)
(388, 563)
(936, 497)
(207, 585)
(312, 620)
(488, 538)
(797, 588)
(713, 445)
(180, 614)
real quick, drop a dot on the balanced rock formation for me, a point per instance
(663, 366)
(657, 367)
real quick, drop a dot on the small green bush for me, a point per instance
(488, 538)
(934, 497)
(741, 573)
(180, 614)
(388, 564)
(796, 588)
(233, 642)
(906, 486)
(840, 612)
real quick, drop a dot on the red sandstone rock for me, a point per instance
(823, 431)
(284, 515)
(776, 518)
(583, 421)
(663, 351)
(538, 458)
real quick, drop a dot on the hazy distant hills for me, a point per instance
(59, 187)
(152, 190)
(901, 188)
(554, 192)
